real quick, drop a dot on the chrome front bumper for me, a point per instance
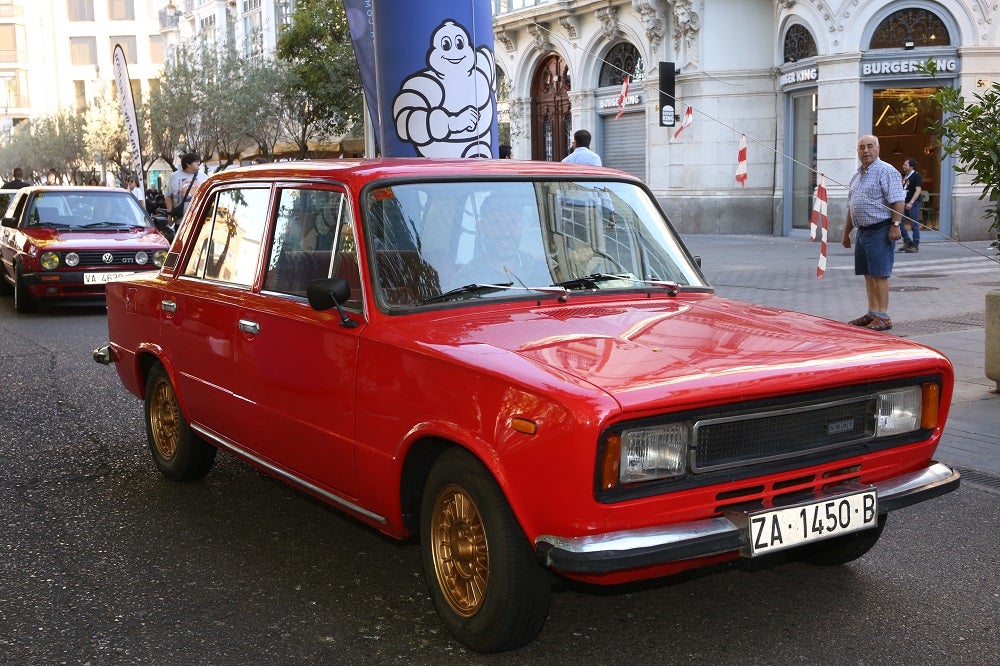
(631, 549)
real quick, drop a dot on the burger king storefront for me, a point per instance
(897, 105)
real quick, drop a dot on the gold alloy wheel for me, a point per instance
(164, 419)
(460, 551)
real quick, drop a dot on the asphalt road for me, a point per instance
(102, 561)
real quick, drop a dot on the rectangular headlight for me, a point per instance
(656, 452)
(898, 411)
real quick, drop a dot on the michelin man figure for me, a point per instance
(447, 110)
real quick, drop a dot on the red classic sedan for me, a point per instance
(520, 364)
(59, 243)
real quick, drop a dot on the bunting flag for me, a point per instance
(124, 85)
(361, 25)
(621, 97)
(741, 165)
(688, 119)
(820, 220)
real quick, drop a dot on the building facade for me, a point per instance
(58, 55)
(800, 79)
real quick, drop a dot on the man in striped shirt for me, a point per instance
(874, 207)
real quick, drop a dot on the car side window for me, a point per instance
(230, 237)
(313, 239)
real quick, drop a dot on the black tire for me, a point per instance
(23, 301)
(489, 590)
(179, 453)
(841, 550)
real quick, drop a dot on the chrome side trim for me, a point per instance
(629, 549)
(286, 475)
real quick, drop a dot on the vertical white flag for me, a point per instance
(128, 110)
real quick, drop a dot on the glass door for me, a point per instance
(900, 118)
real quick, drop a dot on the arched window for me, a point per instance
(799, 44)
(909, 28)
(622, 59)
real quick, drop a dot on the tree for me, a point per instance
(326, 94)
(970, 132)
(53, 141)
(104, 131)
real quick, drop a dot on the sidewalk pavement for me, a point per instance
(937, 297)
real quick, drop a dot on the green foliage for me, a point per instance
(970, 132)
(326, 93)
(53, 141)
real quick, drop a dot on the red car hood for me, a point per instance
(678, 351)
(51, 239)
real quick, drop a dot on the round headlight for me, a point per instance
(72, 259)
(141, 257)
(159, 257)
(50, 260)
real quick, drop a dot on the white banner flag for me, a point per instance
(128, 110)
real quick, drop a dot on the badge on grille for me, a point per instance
(107, 257)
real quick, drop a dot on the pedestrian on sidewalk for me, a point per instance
(582, 154)
(874, 208)
(913, 184)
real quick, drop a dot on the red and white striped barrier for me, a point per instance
(820, 221)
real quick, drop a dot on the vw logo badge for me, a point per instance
(107, 257)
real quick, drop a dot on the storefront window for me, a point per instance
(900, 118)
(910, 28)
(622, 59)
(804, 154)
(799, 44)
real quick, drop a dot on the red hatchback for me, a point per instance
(520, 364)
(69, 242)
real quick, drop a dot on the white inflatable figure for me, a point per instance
(447, 110)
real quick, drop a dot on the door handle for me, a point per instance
(249, 326)
(168, 305)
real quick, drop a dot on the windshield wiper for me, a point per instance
(97, 225)
(50, 225)
(593, 281)
(474, 289)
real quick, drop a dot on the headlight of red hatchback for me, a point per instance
(49, 261)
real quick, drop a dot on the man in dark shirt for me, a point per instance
(17, 182)
(913, 183)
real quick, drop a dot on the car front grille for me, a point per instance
(117, 258)
(733, 441)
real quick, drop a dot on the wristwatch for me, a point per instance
(896, 223)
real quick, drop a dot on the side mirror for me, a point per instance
(330, 293)
(10, 222)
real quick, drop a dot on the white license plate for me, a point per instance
(104, 278)
(778, 529)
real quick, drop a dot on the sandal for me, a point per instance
(880, 324)
(862, 321)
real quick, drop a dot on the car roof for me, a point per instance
(73, 189)
(360, 172)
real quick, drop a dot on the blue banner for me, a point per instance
(435, 76)
(361, 23)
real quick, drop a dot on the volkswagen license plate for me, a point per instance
(777, 529)
(104, 278)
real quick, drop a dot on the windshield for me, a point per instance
(430, 240)
(81, 211)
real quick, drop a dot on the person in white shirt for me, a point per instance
(136, 191)
(582, 154)
(183, 184)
